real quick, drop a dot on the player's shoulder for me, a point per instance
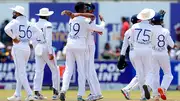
(48, 23)
(166, 31)
(13, 21)
(79, 19)
(128, 31)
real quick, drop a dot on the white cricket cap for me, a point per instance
(146, 14)
(19, 9)
(45, 12)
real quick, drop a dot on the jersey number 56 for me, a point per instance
(25, 32)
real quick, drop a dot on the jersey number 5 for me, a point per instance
(144, 36)
(25, 32)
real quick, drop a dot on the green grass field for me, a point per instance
(108, 95)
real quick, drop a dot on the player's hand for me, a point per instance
(16, 40)
(101, 17)
(121, 62)
(51, 56)
(66, 12)
(162, 12)
(175, 46)
(100, 33)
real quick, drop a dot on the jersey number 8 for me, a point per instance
(161, 41)
(25, 32)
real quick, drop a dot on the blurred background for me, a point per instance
(117, 14)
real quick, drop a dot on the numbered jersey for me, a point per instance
(141, 35)
(161, 39)
(79, 30)
(46, 28)
(21, 28)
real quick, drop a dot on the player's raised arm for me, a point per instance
(72, 15)
(95, 27)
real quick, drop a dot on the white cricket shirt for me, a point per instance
(79, 30)
(46, 28)
(161, 39)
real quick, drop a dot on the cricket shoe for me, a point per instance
(39, 96)
(126, 94)
(146, 91)
(55, 97)
(98, 97)
(55, 94)
(143, 99)
(94, 98)
(79, 98)
(30, 98)
(162, 93)
(14, 98)
(62, 96)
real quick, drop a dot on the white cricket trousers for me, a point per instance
(134, 82)
(75, 55)
(142, 62)
(39, 70)
(91, 74)
(21, 55)
(161, 60)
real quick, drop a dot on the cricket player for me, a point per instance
(160, 57)
(134, 82)
(21, 31)
(75, 50)
(44, 53)
(91, 71)
(140, 37)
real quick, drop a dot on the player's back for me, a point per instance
(22, 31)
(141, 35)
(77, 37)
(161, 39)
(43, 25)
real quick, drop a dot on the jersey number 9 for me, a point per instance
(75, 27)
(25, 32)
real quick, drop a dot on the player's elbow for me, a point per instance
(6, 29)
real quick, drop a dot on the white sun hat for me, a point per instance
(18, 9)
(146, 14)
(45, 12)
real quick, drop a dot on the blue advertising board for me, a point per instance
(175, 20)
(60, 23)
(107, 72)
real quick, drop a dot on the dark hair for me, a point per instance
(157, 19)
(44, 17)
(134, 19)
(79, 7)
(123, 19)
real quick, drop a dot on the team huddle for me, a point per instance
(148, 52)
(148, 42)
